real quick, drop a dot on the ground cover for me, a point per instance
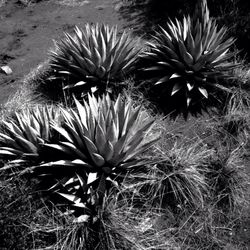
(28, 29)
(101, 174)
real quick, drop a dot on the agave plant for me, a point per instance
(101, 142)
(185, 62)
(94, 58)
(23, 135)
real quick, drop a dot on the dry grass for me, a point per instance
(141, 215)
(191, 197)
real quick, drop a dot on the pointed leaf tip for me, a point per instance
(177, 87)
(203, 91)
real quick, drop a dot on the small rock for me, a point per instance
(118, 6)
(82, 219)
(100, 7)
(6, 70)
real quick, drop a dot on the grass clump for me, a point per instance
(228, 180)
(177, 180)
(19, 206)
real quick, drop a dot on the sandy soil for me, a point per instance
(27, 31)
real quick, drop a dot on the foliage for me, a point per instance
(185, 63)
(99, 145)
(235, 120)
(208, 228)
(144, 16)
(178, 179)
(235, 15)
(227, 179)
(95, 58)
(19, 210)
(40, 80)
(115, 185)
(23, 135)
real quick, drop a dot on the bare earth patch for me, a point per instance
(73, 2)
(27, 31)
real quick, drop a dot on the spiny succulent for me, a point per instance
(100, 142)
(187, 63)
(23, 134)
(95, 58)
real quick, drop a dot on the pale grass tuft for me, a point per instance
(179, 176)
(27, 93)
(228, 179)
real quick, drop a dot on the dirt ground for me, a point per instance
(27, 30)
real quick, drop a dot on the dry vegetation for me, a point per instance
(115, 171)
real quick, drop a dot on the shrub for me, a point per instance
(187, 64)
(95, 58)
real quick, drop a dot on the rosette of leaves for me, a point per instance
(187, 63)
(23, 134)
(101, 142)
(95, 58)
